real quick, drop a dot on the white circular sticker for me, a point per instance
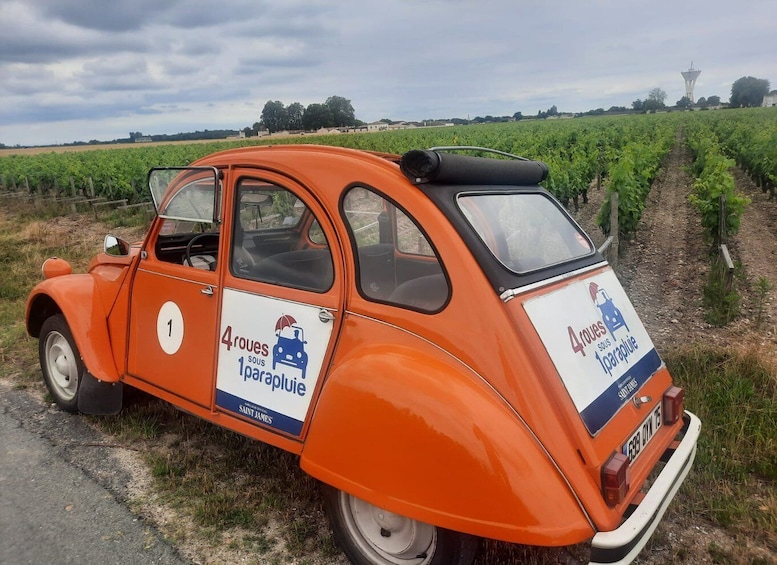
(169, 327)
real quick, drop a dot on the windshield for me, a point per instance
(525, 231)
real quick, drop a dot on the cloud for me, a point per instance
(76, 69)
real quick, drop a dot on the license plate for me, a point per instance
(643, 434)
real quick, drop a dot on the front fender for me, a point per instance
(77, 298)
(420, 435)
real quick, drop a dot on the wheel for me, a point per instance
(60, 362)
(372, 536)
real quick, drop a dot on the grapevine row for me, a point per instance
(714, 185)
(576, 152)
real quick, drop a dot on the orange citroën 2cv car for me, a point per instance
(434, 336)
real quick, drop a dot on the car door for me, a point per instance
(281, 301)
(175, 293)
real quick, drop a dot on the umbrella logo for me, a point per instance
(284, 322)
(290, 347)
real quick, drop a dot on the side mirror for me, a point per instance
(116, 246)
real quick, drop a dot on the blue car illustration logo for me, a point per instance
(290, 348)
(611, 316)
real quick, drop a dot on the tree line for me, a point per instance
(335, 112)
(746, 92)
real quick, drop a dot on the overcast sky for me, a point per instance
(76, 70)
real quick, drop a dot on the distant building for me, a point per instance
(770, 100)
(144, 139)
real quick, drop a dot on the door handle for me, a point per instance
(325, 316)
(207, 291)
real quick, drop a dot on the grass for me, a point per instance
(229, 486)
(721, 298)
(734, 481)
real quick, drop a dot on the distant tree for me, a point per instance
(747, 92)
(657, 95)
(713, 101)
(294, 113)
(342, 111)
(552, 111)
(247, 131)
(617, 109)
(655, 100)
(274, 116)
(317, 116)
(701, 102)
(257, 127)
(637, 105)
(684, 102)
(518, 116)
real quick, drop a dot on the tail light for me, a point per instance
(616, 477)
(673, 405)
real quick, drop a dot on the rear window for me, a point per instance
(524, 231)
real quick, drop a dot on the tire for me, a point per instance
(60, 362)
(371, 536)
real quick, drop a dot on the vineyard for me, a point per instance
(627, 151)
(669, 172)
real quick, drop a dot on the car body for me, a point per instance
(463, 362)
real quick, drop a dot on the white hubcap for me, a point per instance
(61, 366)
(388, 538)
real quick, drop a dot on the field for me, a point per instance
(179, 467)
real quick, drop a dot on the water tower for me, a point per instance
(690, 77)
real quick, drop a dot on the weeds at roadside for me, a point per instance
(734, 479)
(722, 301)
(762, 287)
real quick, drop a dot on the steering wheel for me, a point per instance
(191, 243)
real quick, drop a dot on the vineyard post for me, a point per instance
(73, 205)
(613, 255)
(91, 188)
(722, 231)
(37, 196)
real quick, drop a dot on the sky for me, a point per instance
(81, 70)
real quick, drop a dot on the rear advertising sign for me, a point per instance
(597, 343)
(270, 356)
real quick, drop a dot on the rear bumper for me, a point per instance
(622, 546)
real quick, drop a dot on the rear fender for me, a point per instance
(77, 298)
(422, 436)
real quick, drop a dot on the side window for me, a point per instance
(278, 240)
(396, 262)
